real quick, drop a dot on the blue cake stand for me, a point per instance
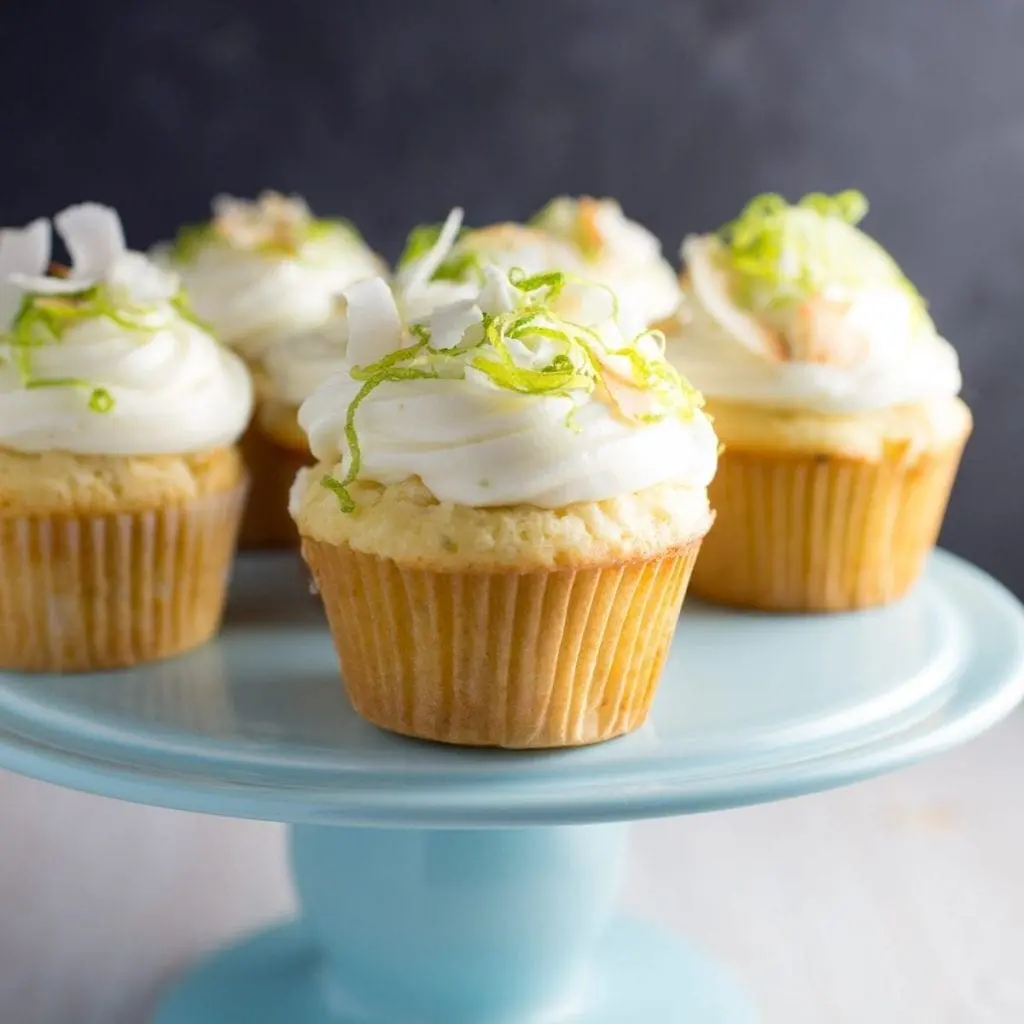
(447, 886)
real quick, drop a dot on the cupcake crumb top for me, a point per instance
(406, 523)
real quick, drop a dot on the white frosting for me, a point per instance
(474, 443)
(297, 365)
(252, 298)
(626, 257)
(165, 385)
(175, 390)
(845, 351)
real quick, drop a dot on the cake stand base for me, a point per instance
(639, 974)
(440, 926)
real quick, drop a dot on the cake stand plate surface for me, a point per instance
(751, 707)
(451, 886)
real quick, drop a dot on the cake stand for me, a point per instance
(447, 886)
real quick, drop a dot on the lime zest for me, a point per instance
(419, 242)
(779, 257)
(334, 485)
(383, 371)
(581, 361)
(190, 240)
(182, 305)
(44, 320)
(100, 399)
(327, 227)
(458, 265)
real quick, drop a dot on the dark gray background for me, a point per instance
(391, 111)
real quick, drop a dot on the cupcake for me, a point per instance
(258, 272)
(617, 252)
(836, 400)
(120, 486)
(504, 514)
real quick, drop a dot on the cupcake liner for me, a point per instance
(538, 659)
(272, 470)
(820, 532)
(85, 593)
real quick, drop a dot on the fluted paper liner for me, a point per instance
(820, 532)
(272, 470)
(81, 593)
(539, 659)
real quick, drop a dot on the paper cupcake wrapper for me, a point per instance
(821, 533)
(538, 659)
(85, 593)
(272, 470)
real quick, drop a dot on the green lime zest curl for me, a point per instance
(182, 305)
(327, 227)
(460, 265)
(190, 240)
(100, 399)
(385, 370)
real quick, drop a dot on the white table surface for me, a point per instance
(898, 901)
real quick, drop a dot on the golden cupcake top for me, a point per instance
(793, 304)
(502, 399)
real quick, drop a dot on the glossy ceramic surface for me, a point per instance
(751, 707)
(641, 976)
(481, 898)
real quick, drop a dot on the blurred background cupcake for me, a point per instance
(585, 237)
(504, 514)
(122, 489)
(617, 252)
(836, 401)
(259, 271)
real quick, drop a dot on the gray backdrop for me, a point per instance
(391, 111)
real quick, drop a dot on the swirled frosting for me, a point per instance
(617, 252)
(262, 270)
(105, 360)
(299, 363)
(496, 400)
(794, 307)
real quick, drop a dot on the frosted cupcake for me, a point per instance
(617, 252)
(120, 488)
(504, 514)
(259, 272)
(835, 398)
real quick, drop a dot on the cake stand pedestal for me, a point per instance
(448, 886)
